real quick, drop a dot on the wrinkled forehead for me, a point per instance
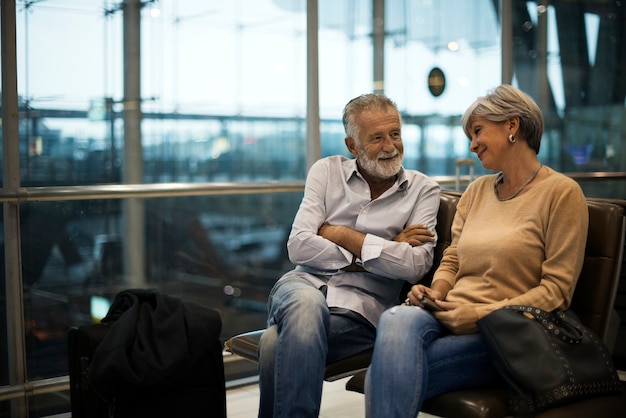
(388, 114)
(379, 119)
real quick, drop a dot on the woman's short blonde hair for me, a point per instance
(506, 102)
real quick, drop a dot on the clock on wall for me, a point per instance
(436, 81)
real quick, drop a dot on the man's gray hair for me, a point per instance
(361, 103)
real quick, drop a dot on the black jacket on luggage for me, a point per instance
(159, 355)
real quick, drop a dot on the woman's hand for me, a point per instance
(417, 293)
(460, 319)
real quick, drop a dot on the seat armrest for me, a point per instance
(349, 366)
(245, 345)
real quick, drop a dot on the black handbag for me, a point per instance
(547, 358)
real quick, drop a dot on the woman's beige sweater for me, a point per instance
(525, 251)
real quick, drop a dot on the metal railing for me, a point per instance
(125, 191)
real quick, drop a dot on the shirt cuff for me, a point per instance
(347, 254)
(372, 247)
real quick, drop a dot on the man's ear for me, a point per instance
(351, 145)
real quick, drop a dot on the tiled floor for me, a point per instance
(337, 402)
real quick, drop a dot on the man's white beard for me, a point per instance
(378, 169)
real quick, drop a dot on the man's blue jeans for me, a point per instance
(415, 358)
(303, 335)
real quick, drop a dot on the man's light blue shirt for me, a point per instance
(337, 194)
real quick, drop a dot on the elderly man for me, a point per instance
(364, 227)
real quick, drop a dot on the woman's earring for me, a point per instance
(511, 139)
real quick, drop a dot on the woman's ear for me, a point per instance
(351, 145)
(513, 125)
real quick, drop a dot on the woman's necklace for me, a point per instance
(500, 179)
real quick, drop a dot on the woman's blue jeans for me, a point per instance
(303, 335)
(415, 358)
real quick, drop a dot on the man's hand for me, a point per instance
(415, 235)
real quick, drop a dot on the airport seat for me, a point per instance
(246, 345)
(593, 301)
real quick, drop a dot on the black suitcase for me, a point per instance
(198, 393)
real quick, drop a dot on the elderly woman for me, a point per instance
(518, 238)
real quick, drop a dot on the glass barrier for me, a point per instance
(224, 252)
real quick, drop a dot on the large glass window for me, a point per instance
(224, 82)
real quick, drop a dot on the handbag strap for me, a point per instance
(556, 323)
